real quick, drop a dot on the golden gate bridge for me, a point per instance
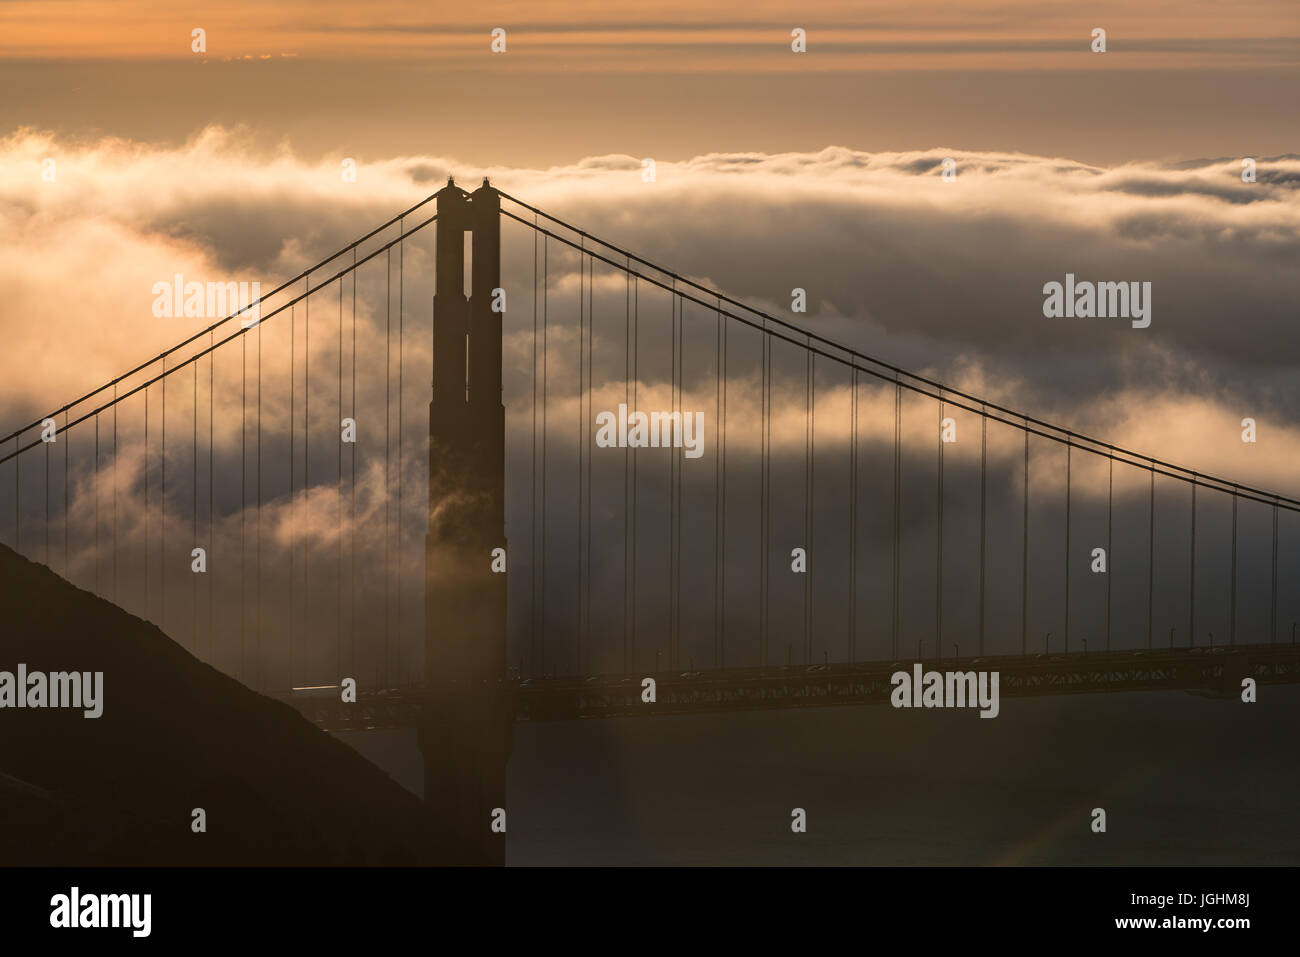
(291, 501)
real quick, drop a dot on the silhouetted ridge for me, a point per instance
(175, 734)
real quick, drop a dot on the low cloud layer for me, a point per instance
(939, 277)
(942, 278)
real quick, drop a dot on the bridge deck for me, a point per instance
(1217, 671)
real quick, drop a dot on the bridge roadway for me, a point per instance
(1216, 671)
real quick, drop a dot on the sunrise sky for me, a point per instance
(1180, 78)
(775, 169)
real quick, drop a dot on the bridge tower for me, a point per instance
(466, 733)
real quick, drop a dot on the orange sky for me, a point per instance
(685, 35)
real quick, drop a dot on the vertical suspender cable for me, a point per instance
(212, 387)
(162, 511)
(257, 576)
(401, 460)
(853, 519)
(243, 502)
(627, 458)
(938, 550)
(1151, 562)
(719, 511)
(1232, 607)
(148, 608)
(673, 505)
(1272, 630)
(338, 512)
(984, 471)
(591, 343)
(293, 498)
(678, 455)
(1024, 557)
(898, 503)
(546, 282)
(582, 375)
(1069, 448)
(67, 442)
(532, 485)
(194, 512)
(636, 375)
(677, 460)
(809, 515)
(352, 487)
(1191, 581)
(95, 476)
(116, 598)
(388, 481)
(306, 456)
(401, 444)
(1110, 536)
(765, 493)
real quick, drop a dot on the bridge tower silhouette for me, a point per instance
(467, 728)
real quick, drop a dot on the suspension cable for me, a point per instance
(239, 312)
(798, 336)
(230, 338)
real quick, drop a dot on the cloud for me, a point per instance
(930, 275)
(942, 278)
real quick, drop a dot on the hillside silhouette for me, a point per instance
(175, 734)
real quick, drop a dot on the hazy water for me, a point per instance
(1184, 780)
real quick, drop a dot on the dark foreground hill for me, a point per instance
(175, 735)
